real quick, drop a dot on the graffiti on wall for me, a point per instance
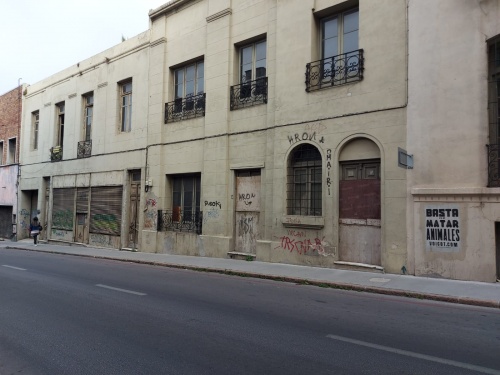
(328, 168)
(100, 239)
(63, 219)
(24, 218)
(211, 214)
(299, 242)
(305, 136)
(213, 204)
(315, 127)
(150, 211)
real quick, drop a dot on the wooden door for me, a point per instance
(247, 210)
(359, 212)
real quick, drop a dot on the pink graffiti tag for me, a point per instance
(302, 246)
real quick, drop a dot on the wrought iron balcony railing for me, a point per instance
(185, 108)
(493, 165)
(249, 93)
(84, 149)
(56, 153)
(180, 221)
(335, 71)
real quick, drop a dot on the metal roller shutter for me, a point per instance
(62, 208)
(82, 200)
(106, 210)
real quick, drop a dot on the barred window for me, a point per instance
(304, 189)
(185, 197)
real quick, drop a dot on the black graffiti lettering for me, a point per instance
(213, 204)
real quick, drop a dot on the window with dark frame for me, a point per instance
(341, 59)
(35, 118)
(252, 87)
(185, 197)
(1, 152)
(252, 67)
(304, 187)
(88, 113)
(60, 124)
(126, 106)
(188, 82)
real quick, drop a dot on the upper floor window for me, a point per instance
(35, 120)
(1, 153)
(12, 151)
(341, 59)
(189, 81)
(304, 189)
(60, 123)
(339, 33)
(189, 93)
(126, 106)
(252, 88)
(88, 113)
(253, 61)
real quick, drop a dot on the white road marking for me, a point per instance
(14, 268)
(443, 361)
(121, 290)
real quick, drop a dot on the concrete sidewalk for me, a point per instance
(464, 292)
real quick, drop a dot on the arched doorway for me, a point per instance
(359, 202)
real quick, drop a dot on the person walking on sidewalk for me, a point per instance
(35, 229)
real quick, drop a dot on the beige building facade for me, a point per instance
(259, 129)
(453, 134)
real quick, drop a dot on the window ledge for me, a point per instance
(297, 221)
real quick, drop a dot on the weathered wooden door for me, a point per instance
(359, 212)
(82, 208)
(81, 228)
(135, 192)
(247, 210)
(45, 220)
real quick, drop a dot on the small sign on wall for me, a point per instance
(442, 228)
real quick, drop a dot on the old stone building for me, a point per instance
(453, 134)
(280, 131)
(10, 122)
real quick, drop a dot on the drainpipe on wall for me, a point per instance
(17, 153)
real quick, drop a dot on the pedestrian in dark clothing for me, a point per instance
(35, 229)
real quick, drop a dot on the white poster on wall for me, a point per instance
(442, 228)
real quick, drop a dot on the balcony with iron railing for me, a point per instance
(185, 108)
(56, 153)
(180, 221)
(84, 149)
(335, 71)
(249, 93)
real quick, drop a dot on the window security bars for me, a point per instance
(180, 221)
(249, 93)
(493, 165)
(56, 153)
(185, 108)
(84, 149)
(335, 71)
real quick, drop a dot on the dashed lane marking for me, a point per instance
(121, 290)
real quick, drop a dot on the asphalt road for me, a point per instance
(62, 314)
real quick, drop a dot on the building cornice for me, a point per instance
(218, 15)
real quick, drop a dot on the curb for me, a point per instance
(323, 284)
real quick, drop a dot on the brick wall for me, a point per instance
(10, 114)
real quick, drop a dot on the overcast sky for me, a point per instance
(42, 37)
